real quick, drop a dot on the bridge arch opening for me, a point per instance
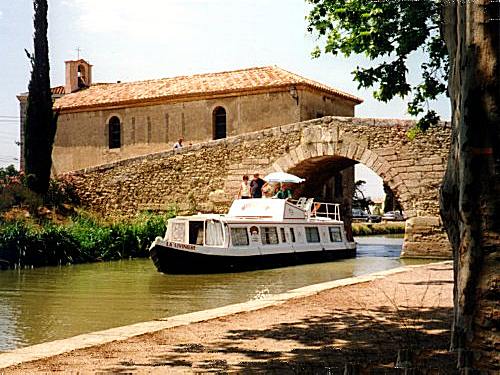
(372, 194)
(318, 159)
(332, 178)
(326, 177)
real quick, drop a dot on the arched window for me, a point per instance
(114, 132)
(219, 121)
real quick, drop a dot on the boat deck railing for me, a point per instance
(318, 209)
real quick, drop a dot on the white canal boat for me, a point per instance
(255, 234)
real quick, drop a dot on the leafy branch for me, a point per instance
(387, 33)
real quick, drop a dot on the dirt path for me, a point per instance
(363, 324)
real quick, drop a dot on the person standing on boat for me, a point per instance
(256, 186)
(244, 192)
(178, 144)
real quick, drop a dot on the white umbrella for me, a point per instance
(283, 177)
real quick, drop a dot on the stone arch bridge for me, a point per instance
(206, 176)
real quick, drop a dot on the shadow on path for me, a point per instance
(367, 341)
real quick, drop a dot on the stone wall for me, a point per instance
(314, 106)
(425, 238)
(82, 138)
(206, 176)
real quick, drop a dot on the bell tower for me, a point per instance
(78, 75)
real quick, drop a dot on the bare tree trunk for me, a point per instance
(470, 196)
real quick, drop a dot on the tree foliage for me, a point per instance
(9, 171)
(359, 200)
(40, 123)
(390, 202)
(388, 33)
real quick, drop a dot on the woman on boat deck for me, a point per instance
(267, 190)
(284, 192)
(244, 192)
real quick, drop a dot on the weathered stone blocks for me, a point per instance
(413, 169)
(425, 238)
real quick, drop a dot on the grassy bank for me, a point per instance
(83, 238)
(366, 229)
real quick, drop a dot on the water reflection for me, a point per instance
(45, 304)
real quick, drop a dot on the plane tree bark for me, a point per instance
(459, 37)
(470, 195)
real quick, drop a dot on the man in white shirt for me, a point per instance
(178, 144)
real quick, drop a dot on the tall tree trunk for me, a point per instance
(40, 123)
(470, 196)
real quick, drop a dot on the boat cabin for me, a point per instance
(260, 222)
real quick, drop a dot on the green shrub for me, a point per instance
(8, 172)
(15, 193)
(84, 239)
(362, 229)
(14, 242)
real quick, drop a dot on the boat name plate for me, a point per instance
(181, 246)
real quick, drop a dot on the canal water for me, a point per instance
(45, 304)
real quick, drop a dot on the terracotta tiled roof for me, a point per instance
(185, 87)
(58, 90)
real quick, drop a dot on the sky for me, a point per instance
(125, 41)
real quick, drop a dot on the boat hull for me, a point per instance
(178, 261)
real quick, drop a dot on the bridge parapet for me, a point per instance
(206, 176)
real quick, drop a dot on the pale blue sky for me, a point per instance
(164, 38)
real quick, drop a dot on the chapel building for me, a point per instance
(105, 122)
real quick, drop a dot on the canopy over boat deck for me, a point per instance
(283, 209)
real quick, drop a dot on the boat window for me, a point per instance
(283, 237)
(239, 236)
(178, 231)
(335, 235)
(269, 235)
(214, 233)
(292, 234)
(312, 234)
(196, 232)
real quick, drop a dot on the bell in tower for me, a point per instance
(78, 75)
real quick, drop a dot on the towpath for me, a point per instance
(361, 322)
